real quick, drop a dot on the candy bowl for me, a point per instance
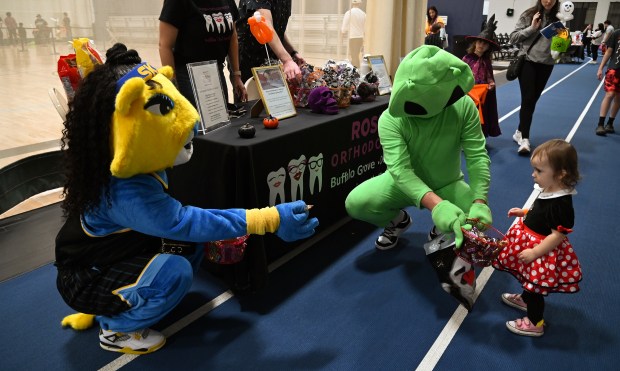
(481, 244)
(226, 251)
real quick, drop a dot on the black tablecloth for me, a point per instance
(227, 171)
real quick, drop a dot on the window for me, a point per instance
(583, 15)
(614, 14)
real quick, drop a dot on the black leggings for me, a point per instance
(535, 306)
(594, 51)
(532, 81)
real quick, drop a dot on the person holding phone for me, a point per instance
(538, 64)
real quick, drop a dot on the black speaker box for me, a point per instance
(510, 12)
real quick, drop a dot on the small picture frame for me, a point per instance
(377, 65)
(209, 95)
(274, 91)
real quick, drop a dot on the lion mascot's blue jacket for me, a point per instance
(111, 266)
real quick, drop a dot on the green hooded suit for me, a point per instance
(429, 122)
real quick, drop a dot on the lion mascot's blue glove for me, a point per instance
(294, 222)
(289, 221)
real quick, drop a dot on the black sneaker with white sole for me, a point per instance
(389, 237)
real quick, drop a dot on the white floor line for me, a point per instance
(570, 135)
(225, 296)
(440, 345)
(544, 91)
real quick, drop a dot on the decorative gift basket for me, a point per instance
(480, 247)
(310, 79)
(226, 251)
(341, 78)
(342, 96)
(368, 88)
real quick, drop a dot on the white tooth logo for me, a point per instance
(296, 170)
(275, 181)
(316, 171)
(209, 22)
(229, 20)
(218, 18)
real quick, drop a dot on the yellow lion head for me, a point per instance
(152, 123)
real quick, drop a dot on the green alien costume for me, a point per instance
(427, 125)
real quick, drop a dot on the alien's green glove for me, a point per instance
(482, 213)
(449, 218)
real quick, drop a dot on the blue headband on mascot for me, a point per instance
(144, 71)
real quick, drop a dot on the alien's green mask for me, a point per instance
(427, 81)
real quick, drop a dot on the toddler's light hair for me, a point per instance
(562, 156)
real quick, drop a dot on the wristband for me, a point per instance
(237, 73)
(293, 53)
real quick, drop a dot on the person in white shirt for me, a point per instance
(353, 24)
(596, 38)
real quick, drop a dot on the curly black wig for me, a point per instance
(87, 132)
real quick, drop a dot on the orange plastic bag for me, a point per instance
(479, 94)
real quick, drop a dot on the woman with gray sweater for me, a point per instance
(538, 64)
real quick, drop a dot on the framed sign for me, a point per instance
(274, 92)
(207, 87)
(377, 65)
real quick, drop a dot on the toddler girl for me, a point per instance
(538, 253)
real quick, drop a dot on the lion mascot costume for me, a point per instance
(126, 124)
(429, 122)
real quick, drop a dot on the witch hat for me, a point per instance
(487, 34)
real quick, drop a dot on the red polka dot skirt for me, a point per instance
(558, 271)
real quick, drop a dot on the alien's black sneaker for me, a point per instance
(389, 237)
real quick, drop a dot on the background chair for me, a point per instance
(252, 89)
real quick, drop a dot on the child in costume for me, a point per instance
(538, 253)
(478, 57)
(429, 121)
(118, 253)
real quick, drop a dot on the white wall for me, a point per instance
(25, 11)
(506, 24)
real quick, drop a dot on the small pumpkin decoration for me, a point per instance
(247, 131)
(270, 122)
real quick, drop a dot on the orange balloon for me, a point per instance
(261, 31)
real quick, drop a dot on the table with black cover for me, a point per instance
(312, 157)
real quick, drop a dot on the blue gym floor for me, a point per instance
(342, 305)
